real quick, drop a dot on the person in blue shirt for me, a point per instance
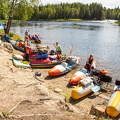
(7, 38)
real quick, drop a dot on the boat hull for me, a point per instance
(113, 108)
(18, 48)
(81, 91)
(79, 75)
(63, 68)
(17, 63)
(44, 63)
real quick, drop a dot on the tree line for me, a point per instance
(24, 11)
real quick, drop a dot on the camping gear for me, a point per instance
(63, 67)
(41, 56)
(18, 46)
(42, 51)
(31, 56)
(17, 57)
(39, 63)
(38, 73)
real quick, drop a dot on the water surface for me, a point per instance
(101, 39)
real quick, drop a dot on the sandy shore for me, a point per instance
(23, 97)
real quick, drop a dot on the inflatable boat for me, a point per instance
(39, 63)
(85, 86)
(20, 46)
(113, 108)
(17, 63)
(64, 67)
(79, 75)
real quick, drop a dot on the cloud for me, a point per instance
(106, 3)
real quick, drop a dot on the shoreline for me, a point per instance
(25, 97)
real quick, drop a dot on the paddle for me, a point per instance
(71, 50)
(95, 88)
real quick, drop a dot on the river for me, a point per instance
(99, 38)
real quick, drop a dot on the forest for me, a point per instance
(24, 11)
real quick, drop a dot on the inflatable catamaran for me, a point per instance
(113, 108)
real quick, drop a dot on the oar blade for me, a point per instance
(95, 88)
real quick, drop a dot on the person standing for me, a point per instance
(58, 48)
(5, 28)
(26, 48)
(26, 32)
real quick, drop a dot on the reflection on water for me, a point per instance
(101, 39)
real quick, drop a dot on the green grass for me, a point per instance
(67, 97)
(6, 114)
(12, 35)
(118, 23)
(74, 19)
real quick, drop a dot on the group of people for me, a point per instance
(35, 37)
(27, 51)
(89, 62)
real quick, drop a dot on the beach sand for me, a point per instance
(24, 97)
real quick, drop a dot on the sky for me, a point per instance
(105, 3)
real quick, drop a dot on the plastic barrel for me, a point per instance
(113, 108)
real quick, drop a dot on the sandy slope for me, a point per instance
(27, 98)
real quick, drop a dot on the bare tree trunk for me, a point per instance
(11, 16)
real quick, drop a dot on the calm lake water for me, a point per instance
(99, 38)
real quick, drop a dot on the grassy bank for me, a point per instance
(118, 23)
(13, 36)
(61, 20)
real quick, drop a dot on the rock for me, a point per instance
(12, 70)
(71, 108)
(97, 111)
(58, 90)
(41, 90)
(1, 116)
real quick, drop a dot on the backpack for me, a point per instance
(52, 52)
(105, 78)
(117, 82)
(41, 56)
(42, 51)
(71, 60)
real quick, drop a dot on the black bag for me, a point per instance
(95, 72)
(71, 60)
(117, 82)
(105, 78)
(52, 52)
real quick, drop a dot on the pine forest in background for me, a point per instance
(23, 11)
